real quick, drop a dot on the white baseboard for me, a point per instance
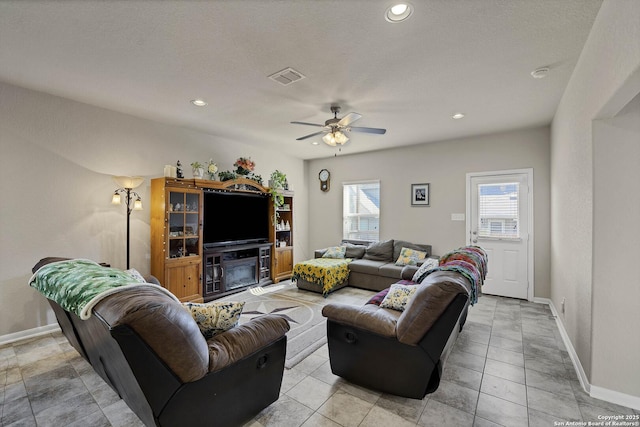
(29, 333)
(615, 397)
(593, 391)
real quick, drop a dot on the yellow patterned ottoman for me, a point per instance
(321, 274)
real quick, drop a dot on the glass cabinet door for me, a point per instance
(183, 218)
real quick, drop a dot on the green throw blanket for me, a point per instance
(77, 285)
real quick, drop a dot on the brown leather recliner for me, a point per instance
(400, 353)
(149, 349)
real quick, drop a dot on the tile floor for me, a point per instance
(509, 367)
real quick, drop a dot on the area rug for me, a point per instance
(303, 311)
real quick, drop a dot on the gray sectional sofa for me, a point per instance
(373, 266)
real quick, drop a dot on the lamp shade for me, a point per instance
(137, 205)
(128, 181)
(329, 139)
(341, 138)
(335, 138)
(116, 199)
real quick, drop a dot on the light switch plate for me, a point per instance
(457, 217)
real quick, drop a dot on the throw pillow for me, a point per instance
(136, 275)
(354, 251)
(215, 317)
(410, 257)
(379, 297)
(398, 296)
(428, 264)
(399, 244)
(380, 251)
(335, 252)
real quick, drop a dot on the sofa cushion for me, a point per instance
(215, 317)
(391, 270)
(354, 251)
(399, 244)
(335, 252)
(410, 256)
(380, 251)
(365, 266)
(398, 296)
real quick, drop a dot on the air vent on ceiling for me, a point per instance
(287, 76)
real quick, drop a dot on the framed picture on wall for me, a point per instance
(419, 194)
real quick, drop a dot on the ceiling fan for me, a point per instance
(335, 128)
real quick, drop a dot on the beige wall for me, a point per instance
(57, 160)
(605, 79)
(616, 250)
(444, 165)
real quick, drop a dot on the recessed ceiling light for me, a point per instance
(399, 9)
(398, 12)
(457, 116)
(198, 102)
(540, 73)
(315, 143)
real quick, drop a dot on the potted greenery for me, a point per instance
(198, 170)
(277, 182)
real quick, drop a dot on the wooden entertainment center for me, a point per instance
(197, 271)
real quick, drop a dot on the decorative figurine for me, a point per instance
(179, 170)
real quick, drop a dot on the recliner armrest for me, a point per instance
(369, 317)
(245, 339)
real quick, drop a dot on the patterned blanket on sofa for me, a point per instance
(77, 285)
(470, 261)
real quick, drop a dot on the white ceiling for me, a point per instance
(150, 58)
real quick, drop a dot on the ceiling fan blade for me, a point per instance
(309, 136)
(368, 130)
(308, 124)
(348, 119)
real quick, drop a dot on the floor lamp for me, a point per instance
(127, 184)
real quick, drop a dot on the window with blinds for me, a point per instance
(361, 210)
(498, 210)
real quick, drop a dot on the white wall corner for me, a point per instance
(615, 397)
(593, 391)
(582, 376)
(29, 333)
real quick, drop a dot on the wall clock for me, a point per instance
(325, 179)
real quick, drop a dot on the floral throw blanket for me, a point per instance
(324, 272)
(77, 285)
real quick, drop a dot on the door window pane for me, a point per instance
(498, 210)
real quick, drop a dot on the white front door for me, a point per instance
(499, 211)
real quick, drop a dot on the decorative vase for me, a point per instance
(198, 173)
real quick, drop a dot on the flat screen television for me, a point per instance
(235, 218)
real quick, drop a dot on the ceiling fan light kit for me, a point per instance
(335, 129)
(335, 138)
